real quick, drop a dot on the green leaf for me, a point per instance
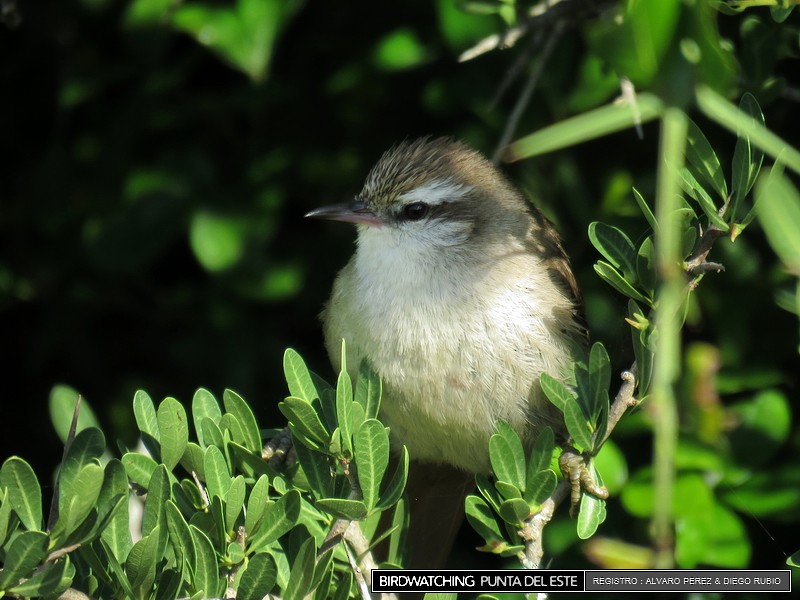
(584, 127)
(234, 502)
(304, 418)
(646, 211)
(299, 584)
(541, 453)
(704, 161)
(483, 521)
(394, 491)
(256, 504)
(617, 247)
(592, 511)
(611, 276)
(514, 511)
(646, 266)
(344, 407)
(317, 469)
(218, 477)
(206, 578)
(726, 114)
(181, 539)
(23, 555)
(368, 390)
(599, 379)
(298, 377)
(507, 456)
(763, 424)
(62, 408)
(555, 391)
(145, 413)
(140, 568)
(24, 494)
(372, 459)
(778, 203)
(217, 240)
(77, 498)
(355, 510)
(746, 159)
(139, 468)
(258, 578)
(236, 405)
(204, 405)
(212, 434)
(158, 492)
(50, 581)
(192, 460)
(279, 518)
(174, 428)
(117, 533)
(5, 515)
(87, 448)
(578, 425)
(540, 488)
(691, 186)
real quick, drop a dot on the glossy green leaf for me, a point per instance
(646, 210)
(611, 276)
(50, 581)
(5, 515)
(24, 553)
(303, 418)
(703, 161)
(256, 504)
(117, 533)
(540, 487)
(372, 458)
(279, 518)
(192, 460)
(507, 456)
(599, 380)
(747, 160)
(397, 485)
(483, 521)
(237, 406)
(514, 511)
(778, 204)
(299, 584)
(368, 390)
(587, 126)
(344, 407)
(145, 413)
(541, 452)
(234, 502)
(693, 188)
(726, 114)
(218, 477)
(77, 498)
(212, 433)
(646, 266)
(204, 405)
(298, 377)
(139, 468)
(355, 510)
(181, 538)
(24, 494)
(62, 408)
(592, 511)
(158, 492)
(140, 567)
(555, 391)
(578, 424)
(317, 469)
(206, 577)
(615, 246)
(173, 426)
(258, 578)
(87, 448)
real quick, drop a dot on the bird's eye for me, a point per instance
(416, 211)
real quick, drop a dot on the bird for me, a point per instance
(460, 295)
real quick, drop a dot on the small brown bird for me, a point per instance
(461, 296)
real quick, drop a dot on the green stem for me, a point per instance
(669, 298)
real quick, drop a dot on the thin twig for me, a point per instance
(526, 93)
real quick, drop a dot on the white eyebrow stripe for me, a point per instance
(437, 191)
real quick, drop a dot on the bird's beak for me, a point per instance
(350, 212)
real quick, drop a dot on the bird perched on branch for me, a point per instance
(460, 295)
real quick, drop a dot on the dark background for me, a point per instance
(152, 195)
